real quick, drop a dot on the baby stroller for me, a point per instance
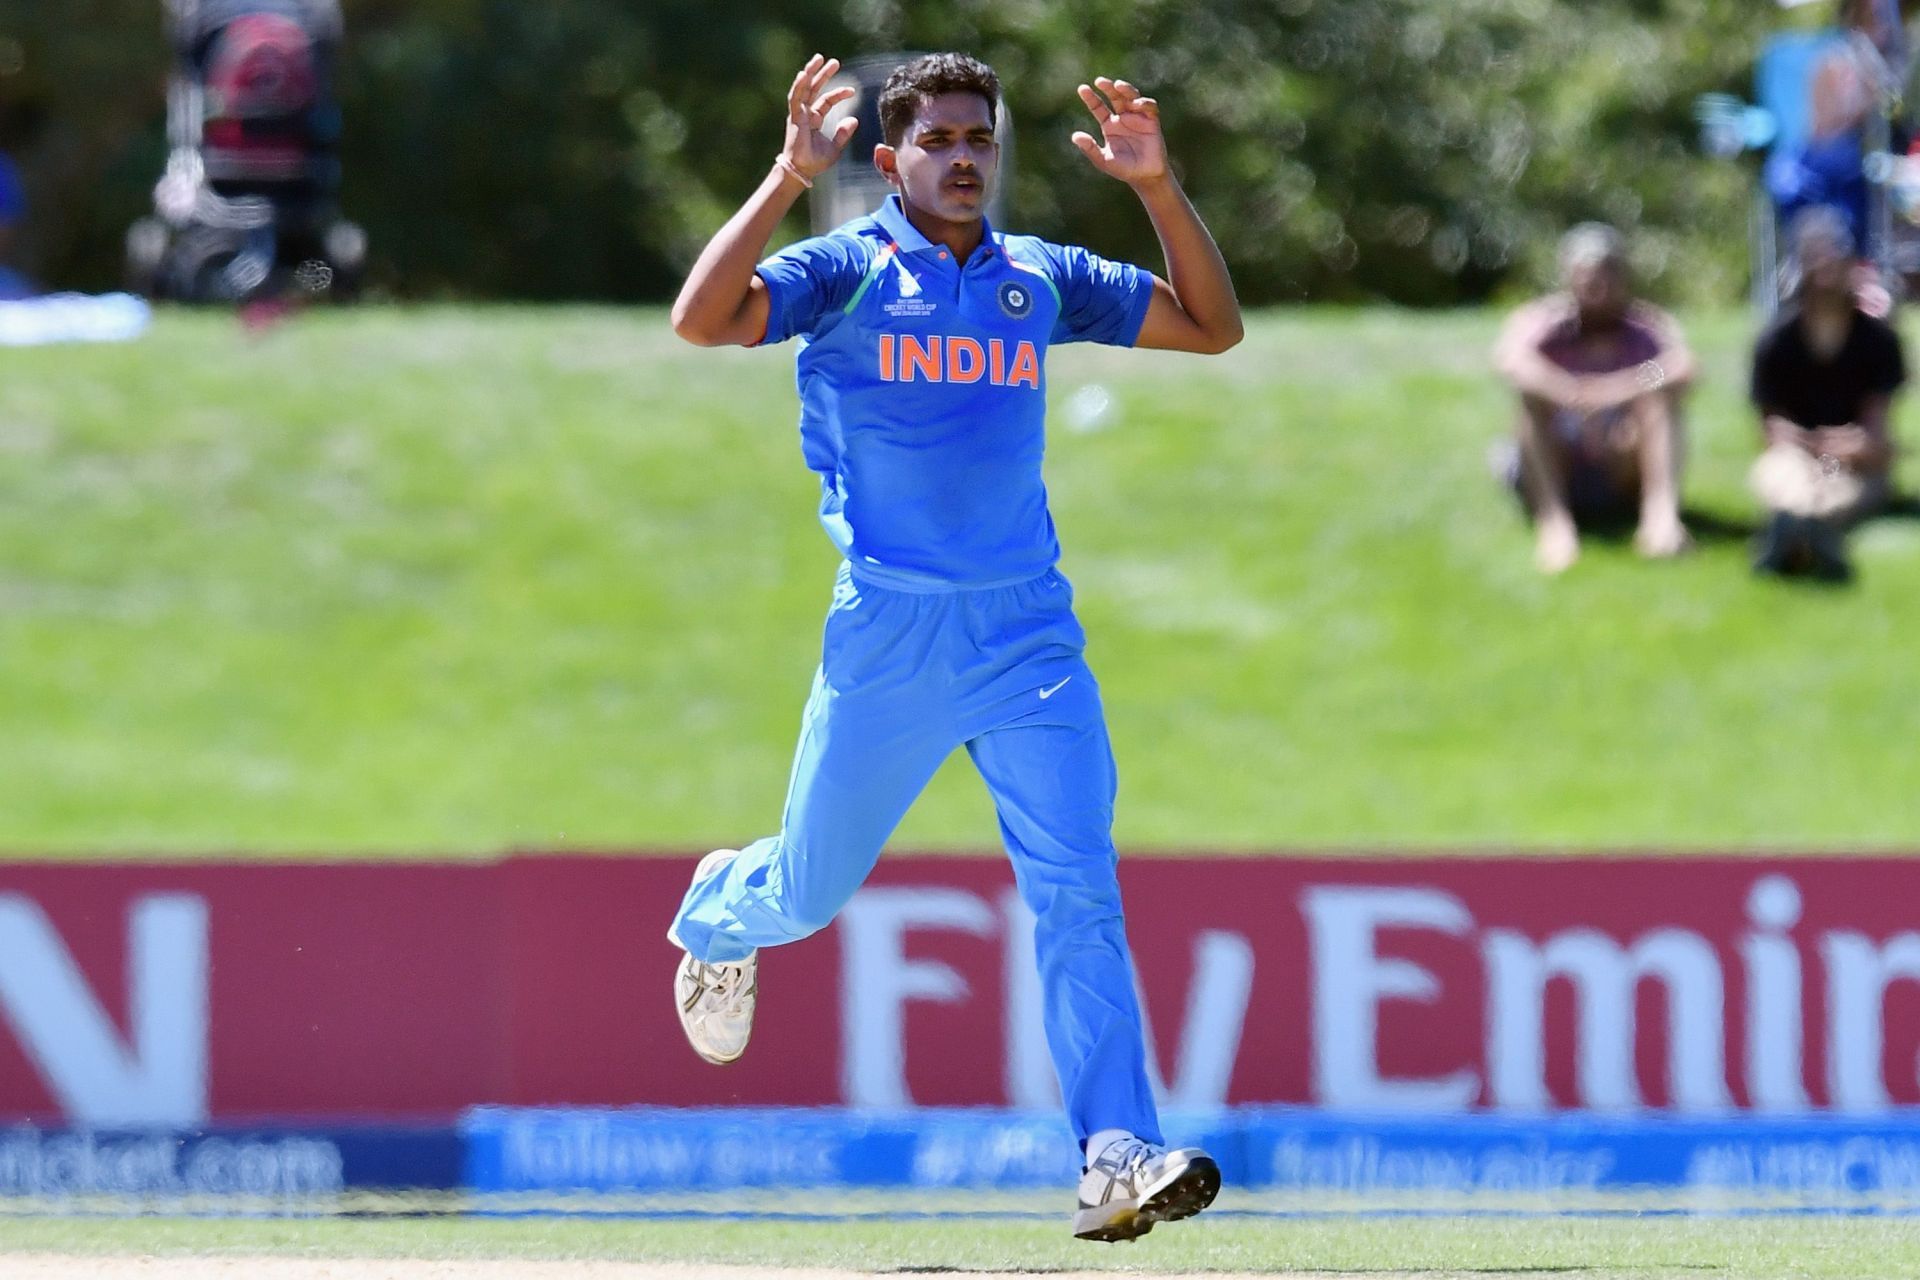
(247, 209)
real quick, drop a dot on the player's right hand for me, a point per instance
(809, 148)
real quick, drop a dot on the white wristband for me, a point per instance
(788, 165)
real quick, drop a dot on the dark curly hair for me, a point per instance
(929, 76)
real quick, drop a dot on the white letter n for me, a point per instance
(158, 1077)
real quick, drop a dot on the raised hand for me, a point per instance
(809, 148)
(1132, 147)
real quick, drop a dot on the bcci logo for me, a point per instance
(1016, 300)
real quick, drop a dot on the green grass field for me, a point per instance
(1437, 1248)
(449, 581)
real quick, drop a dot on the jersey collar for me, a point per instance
(892, 217)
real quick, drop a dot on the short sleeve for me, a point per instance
(1100, 300)
(809, 282)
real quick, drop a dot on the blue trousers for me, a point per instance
(904, 679)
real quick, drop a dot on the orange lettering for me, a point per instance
(965, 360)
(997, 350)
(886, 357)
(1026, 366)
(923, 360)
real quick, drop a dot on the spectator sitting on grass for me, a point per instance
(1824, 374)
(13, 211)
(1600, 379)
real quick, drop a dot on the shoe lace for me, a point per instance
(1125, 1160)
(725, 986)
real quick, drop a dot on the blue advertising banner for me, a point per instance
(272, 1163)
(1812, 1160)
(662, 1149)
(1803, 1158)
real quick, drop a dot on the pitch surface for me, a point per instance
(1659, 1246)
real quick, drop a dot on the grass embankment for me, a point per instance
(448, 581)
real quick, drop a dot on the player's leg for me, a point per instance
(861, 760)
(1047, 760)
(1657, 443)
(873, 734)
(1546, 463)
(1800, 495)
(1052, 779)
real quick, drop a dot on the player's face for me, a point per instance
(1824, 266)
(945, 165)
(1599, 289)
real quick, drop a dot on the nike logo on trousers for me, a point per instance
(1050, 691)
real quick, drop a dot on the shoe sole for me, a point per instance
(713, 1058)
(1182, 1195)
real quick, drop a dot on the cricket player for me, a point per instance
(923, 338)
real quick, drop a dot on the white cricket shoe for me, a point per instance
(715, 1001)
(1130, 1184)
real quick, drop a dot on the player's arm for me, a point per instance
(723, 302)
(1868, 441)
(1671, 367)
(1677, 366)
(1780, 429)
(1518, 358)
(1194, 308)
(1864, 442)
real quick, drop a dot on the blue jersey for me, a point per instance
(923, 390)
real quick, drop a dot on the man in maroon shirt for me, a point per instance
(1600, 378)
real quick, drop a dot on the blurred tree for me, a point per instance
(1403, 150)
(82, 85)
(1394, 149)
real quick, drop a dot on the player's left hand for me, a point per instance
(1132, 147)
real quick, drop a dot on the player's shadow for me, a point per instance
(1901, 506)
(1714, 528)
(1709, 528)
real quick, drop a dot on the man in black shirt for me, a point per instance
(1824, 375)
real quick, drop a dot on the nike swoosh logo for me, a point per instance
(1049, 692)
